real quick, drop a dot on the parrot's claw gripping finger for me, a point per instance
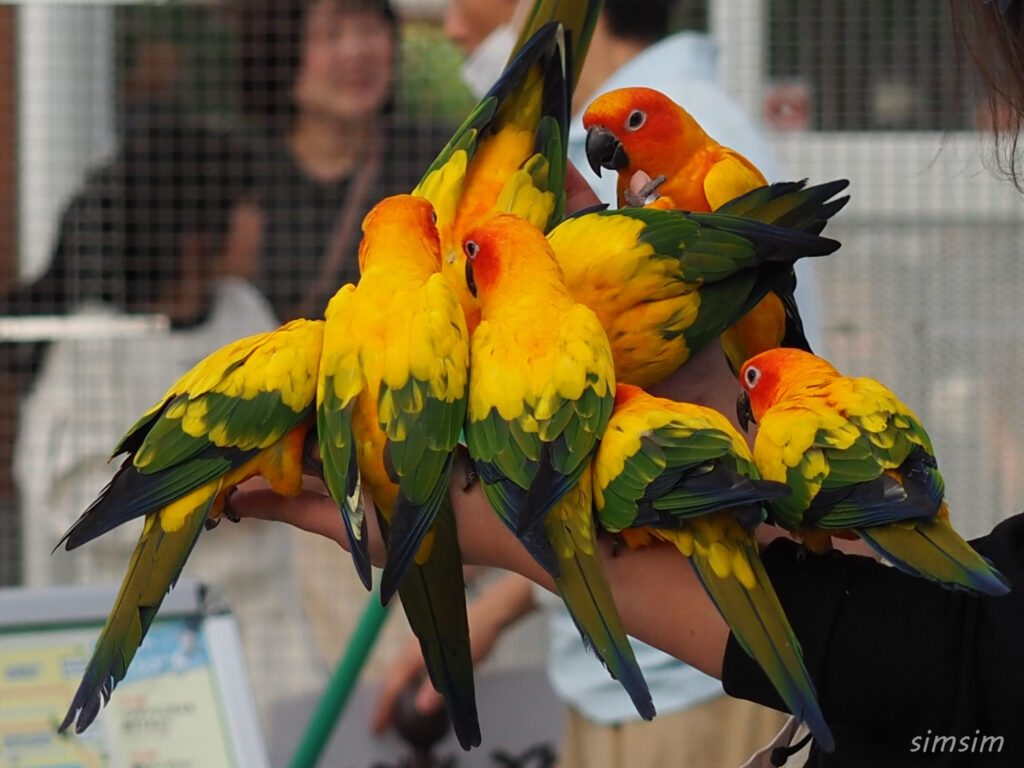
(633, 200)
(471, 478)
(646, 193)
(312, 463)
(616, 544)
(228, 512)
(211, 522)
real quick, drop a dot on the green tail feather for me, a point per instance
(761, 627)
(584, 588)
(932, 549)
(434, 599)
(579, 18)
(153, 570)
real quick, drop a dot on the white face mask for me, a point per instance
(482, 67)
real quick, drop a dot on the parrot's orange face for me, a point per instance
(767, 376)
(491, 246)
(626, 393)
(401, 224)
(629, 129)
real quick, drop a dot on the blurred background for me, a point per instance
(166, 186)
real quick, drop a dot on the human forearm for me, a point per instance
(656, 591)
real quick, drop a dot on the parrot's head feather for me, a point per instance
(401, 229)
(507, 251)
(771, 375)
(625, 394)
(634, 129)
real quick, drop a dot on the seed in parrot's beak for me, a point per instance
(469, 278)
(604, 150)
(743, 411)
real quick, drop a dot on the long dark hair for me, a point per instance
(991, 34)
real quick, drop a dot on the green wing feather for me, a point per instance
(434, 599)
(339, 383)
(219, 415)
(579, 17)
(422, 420)
(583, 586)
(154, 568)
(758, 622)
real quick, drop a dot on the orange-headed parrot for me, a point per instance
(857, 460)
(640, 130)
(681, 473)
(391, 400)
(540, 393)
(245, 410)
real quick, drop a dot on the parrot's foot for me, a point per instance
(312, 463)
(471, 479)
(211, 522)
(646, 194)
(616, 544)
(228, 511)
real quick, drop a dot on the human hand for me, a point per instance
(578, 194)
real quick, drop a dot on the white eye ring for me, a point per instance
(752, 376)
(472, 249)
(636, 120)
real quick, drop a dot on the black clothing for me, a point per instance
(907, 672)
(300, 215)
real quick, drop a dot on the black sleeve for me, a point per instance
(894, 655)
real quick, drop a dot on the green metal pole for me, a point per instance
(339, 688)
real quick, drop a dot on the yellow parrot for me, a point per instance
(391, 400)
(642, 131)
(244, 411)
(858, 460)
(665, 284)
(681, 473)
(541, 391)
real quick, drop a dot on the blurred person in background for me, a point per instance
(697, 724)
(319, 81)
(147, 235)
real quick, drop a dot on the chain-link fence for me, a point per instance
(175, 176)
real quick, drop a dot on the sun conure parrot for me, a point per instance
(681, 473)
(665, 284)
(858, 460)
(540, 393)
(640, 130)
(243, 411)
(391, 400)
(508, 156)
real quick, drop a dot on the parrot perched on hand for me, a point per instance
(857, 460)
(391, 401)
(540, 393)
(244, 411)
(665, 284)
(681, 473)
(642, 131)
(508, 156)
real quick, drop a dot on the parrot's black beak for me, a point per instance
(604, 150)
(743, 412)
(469, 278)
